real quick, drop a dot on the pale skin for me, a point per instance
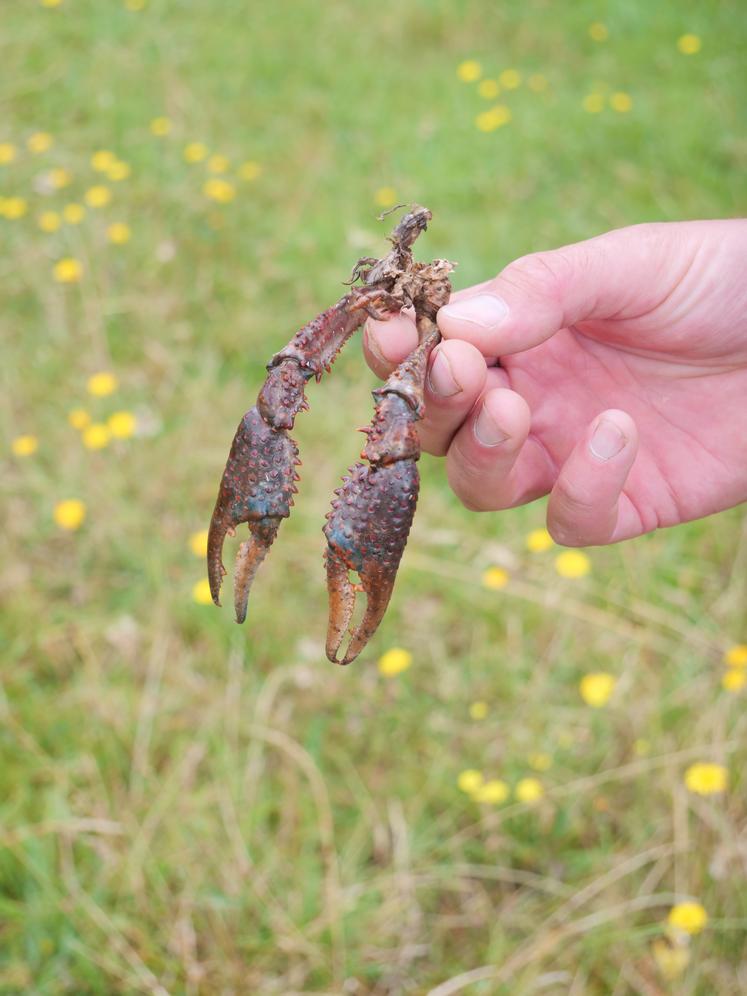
(610, 374)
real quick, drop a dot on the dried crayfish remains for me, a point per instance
(372, 511)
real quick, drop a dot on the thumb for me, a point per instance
(622, 274)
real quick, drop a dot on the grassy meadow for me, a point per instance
(533, 779)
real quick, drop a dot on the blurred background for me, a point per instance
(532, 781)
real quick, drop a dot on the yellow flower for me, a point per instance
(218, 164)
(249, 170)
(469, 780)
(58, 178)
(671, 959)
(69, 514)
(598, 32)
(469, 71)
(160, 127)
(118, 233)
(25, 445)
(495, 578)
(488, 89)
(529, 790)
(689, 44)
(102, 384)
(50, 3)
(385, 197)
(119, 171)
(496, 117)
(201, 592)
(195, 152)
(734, 679)
(478, 710)
(572, 564)
(67, 271)
(102, 160)
(40, 141)
(494, 791)
(689, 917)
(135, 5)
(736, 656)
(7, 153)
(73, 213)
(14, 207)
(706, 778)
(96, 436)
(593, 103)
(97, 197)
(509, 79)
(219, 190)
(49, 221)
(621, 102)
(537, 82)
(198, 543)
(596, 688)
(539, 540)
(394, 661)
(540, 761)
(79, 418)
(122, 425)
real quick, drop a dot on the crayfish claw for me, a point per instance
(249, 556)
(341, 602)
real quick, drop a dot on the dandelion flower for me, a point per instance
(49, 221)
(24, 445)
(394, 661)
(385, 197)
(160, 127)
(494, 791)
(706, 778)
(689, 917)
(736, 656)
(69, 514)
(249, 170)
(119, 171)
(78, 418)
(478, 710)
(593, 103)
(596, 688)
(198, 543)
(537, 82)
(689, 44)
(50, 3)
(509, 79)
(122, 425)
(102, 384)
(14, 207)
(7, 153)
(67, 271)
(59, 177)
(469, 780)
(539, 540)
(195, 152)
(98, 197)
(201, 592)
(529, 790)
(734, 679)
(96, 436)
(598, 32)
(219, 190)
(495, 578)
(39, 142)
(572, 564)
(73, 213)
(495, 118)
(489, 89)
(469, 71)
(118, 233)
(540, 761)
(218, 164)
(621, 102)
(102, 160)
(671, 959)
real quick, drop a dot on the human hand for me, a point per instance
(621, 387)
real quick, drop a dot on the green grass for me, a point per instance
(190, 807)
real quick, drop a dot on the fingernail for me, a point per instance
(486, 430)
(486, 310)
(607, 440)
(441, 380)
